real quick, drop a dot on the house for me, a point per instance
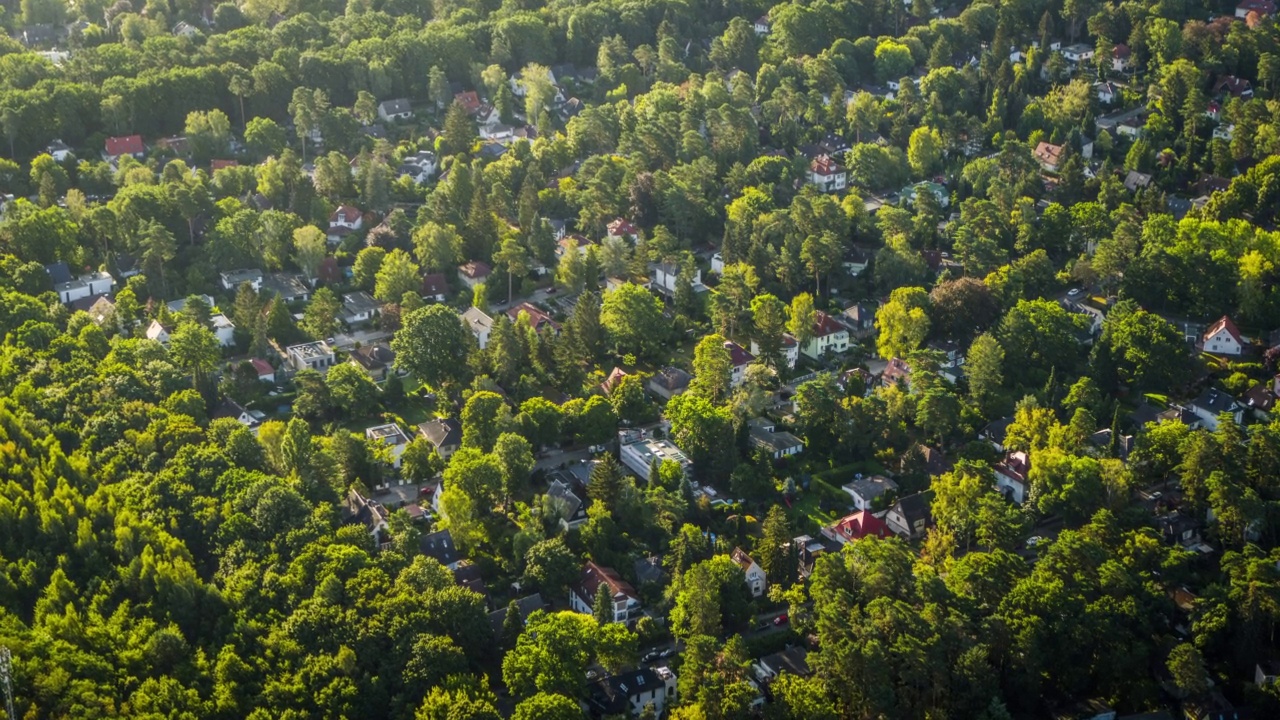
(1266, 673)
(908, 194)
(358, 307)
(623, 597)
(419, 167)
(1263, 8)
(1078, 53)
(538, 319)
(1223, 338)
(1135, 181)
(867, 489)
(344, 221)
(1011, 476)
(58, 150)
(223, 329)
(829, 336)
(359, 510)
(669, 382)
(1108, 92)
(621, 228)
(568, 504)
(1213, 402)
(392, 436)
(790, 350)
(1049, 156)
(909, 517)
(860, 318)
(615, 376)
(627, 694)
(185, 30)
(1225, 132)
(792, 660)
(125, 145)
(310, 356)
(395, 110)
(480, 325)
(1102, 440)
(666, 277)
(639, 453)
(526, 606)
(229, 408)
(1128, 123)
(762, 25)
(856, 260)
(233, 279)
(444, 434)
(1260, 400)
(827, 175)
(375, 360)
(266, 373)
(288, 287)
(102, 308)
(469, 101)
(1121, 58)
(159, 332)
(855, 527)
(739, 359)
(435, 287)
(71, 289)
(764, 434)
(996, 430)
(440, 547)
(1235, 86)
(755, 577)
(474, 272)
(648, 570)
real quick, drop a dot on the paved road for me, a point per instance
(346, 342)
(556, 458)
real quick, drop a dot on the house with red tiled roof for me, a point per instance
(755, 576)
(1049, 156)
(829, 336)
(266, 373)
(474, 272)
(859, 525)
(538, 319)
(469, 101)
(621, 228)
(615, 377)
(124, 145)
(1236, 86)
(1223, 338)
(216, 165)
(622, 596)
(827, 175)
(343, 221)
(1120, 57)
(1011, 476)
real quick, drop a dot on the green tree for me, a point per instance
(433, 345)
(194, 348)
(712, 368)
(367, 267)
(397, 275)
(547, 706)
(984, 367)
(320, 319)
(632, 317)
(902, 322)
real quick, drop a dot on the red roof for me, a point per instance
(593, 576)
(434, 284)
(1234, 85)
(615, 377)
(537, 318)
(1015, 465)
(824, 165)
(345, 214)
(1224, 324)
(621, 227)
(468, 100)
(824, 325)
(1120, 51)
(860, 525)
(737, 355)
(1048, 154)
(896, 370)
(127, 145)
(217, 165)
(262, 367)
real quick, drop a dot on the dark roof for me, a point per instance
(915, 507)
(58, 273)
(439, 545)
(997, 429)
(469, 576)
(671, 378)
(392, 107)
(1215, 401)
(793, 660)
(561, 491)
(610, 695)
(442, 432)
(648, 570)
(373, 357)
(526, 605)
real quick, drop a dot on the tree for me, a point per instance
(602, 606)
(433, 344)
(801, 318)
(309, 250)
(320, 319)
(419, 462)
(514, 258)
(367, 267)
(712, 368)
(606, 482)
(924, 151)
(547, 706)
(902, 322)
(352, 391)
(892, 60)
(459, 131)
(776, 552)
(264, 137)
(632, 316)
(484, 417)
(194, 348)
(209, 134)
(551, 566)
(551, 655)
(307, 108)
(984, 366)
(1187, 668)
(769, 321)
(515, 457)
(962, 308)
(397, 275)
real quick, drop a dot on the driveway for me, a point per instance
(346, 342)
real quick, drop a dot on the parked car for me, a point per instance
(781, 619)
(649, 657)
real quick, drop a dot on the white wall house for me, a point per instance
(755, 577)
(1223, 338)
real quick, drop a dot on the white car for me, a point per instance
(1035, 540)
(1073, 292)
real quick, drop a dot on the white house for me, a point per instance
(1078, 53)
(762, 25)
(344, 221)
(87, 285)
(1108, 92)
(474, 272)
(1121, 58)
(866, 489)
(790, 350)
(358, 307)
(392, 436)
(158, 332)
(666, 275)
(1223, 338)
(1226, 131)
(829, 336)
(638, 453)
(628, 694)
(58, 150)
(223, 329)
(1011, 476)
(480, 325)
(739, 359)
(310, 356)
(420, 166)
(1213, 402)
(233, 279)
(623, 597)
(765, 435)
(827, 175)
(395, 110)
(755, 576)
(1264, 8)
